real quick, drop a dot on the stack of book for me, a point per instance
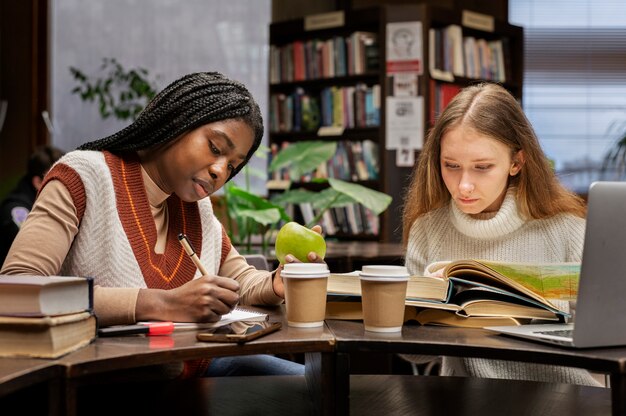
(45, 316)
(474, 293)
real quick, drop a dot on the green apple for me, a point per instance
(299, 241)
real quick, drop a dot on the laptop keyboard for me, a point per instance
(567, 333)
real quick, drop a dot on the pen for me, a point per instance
(191, 252)
(152, 328)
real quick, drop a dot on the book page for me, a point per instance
(462, 285)
(484, 301)
(553, 281)
(525, 283)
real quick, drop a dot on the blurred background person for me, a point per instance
(15, 207)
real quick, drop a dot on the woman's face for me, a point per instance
(200, 162)
(475, 169)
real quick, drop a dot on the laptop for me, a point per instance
(600, 318)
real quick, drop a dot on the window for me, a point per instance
(168, 38)
(574, 80)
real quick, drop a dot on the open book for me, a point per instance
(418, 287)
(479, 293)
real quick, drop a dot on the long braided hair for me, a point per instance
(187, 103)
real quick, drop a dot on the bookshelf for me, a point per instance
(489, 49)
(331, 80)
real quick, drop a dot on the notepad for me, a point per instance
(237, 314)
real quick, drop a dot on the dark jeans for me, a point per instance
(253, 365)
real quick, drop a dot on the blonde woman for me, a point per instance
(483, 188)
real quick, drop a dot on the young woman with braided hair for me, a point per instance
(113, 210)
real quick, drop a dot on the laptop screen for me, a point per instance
(600, 318)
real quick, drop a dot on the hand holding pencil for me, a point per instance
(192, 253)
(221, 291)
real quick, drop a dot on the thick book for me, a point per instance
(418, 287)
(449, 318)
(504, 289)
(425, 316)
(478, 291)
(44, 295)
(45, 337)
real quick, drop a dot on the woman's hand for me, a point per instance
(435, 269)
(278, 284)
(204, 299)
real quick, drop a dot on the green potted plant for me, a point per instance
(253, 214)
(249, 214)
(304, 157)
(121, 93)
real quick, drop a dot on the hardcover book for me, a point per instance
(44, 295)
(418, 287)
(479, 292)
(46, 337)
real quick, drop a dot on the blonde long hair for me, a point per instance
(492, 111)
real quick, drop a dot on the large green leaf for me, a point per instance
(374, 200)
(256, 172)
(295, 196)
(303, 157)
(240, 194)
(262, 216)
(338, 195)
(239, 199)
(326, 198)
(331, 198)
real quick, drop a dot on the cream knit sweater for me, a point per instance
(105, 236)
(449, 234)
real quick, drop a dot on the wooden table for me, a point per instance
(95, 378)
(22, 379)
(351, 337)
(106, 355)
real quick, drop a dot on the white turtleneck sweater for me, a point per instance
(449, 234)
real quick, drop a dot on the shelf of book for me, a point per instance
(333, 83)
(325, 86)
(464, 48)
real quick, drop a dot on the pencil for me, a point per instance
(184, 241)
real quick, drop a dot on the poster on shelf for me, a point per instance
(405, 158)
(404, 85)
(404, 48)
(405, 123)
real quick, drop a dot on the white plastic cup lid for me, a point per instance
(302, 270)
(386, 272)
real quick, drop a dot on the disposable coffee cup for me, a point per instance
(305, 293)
(383, 293)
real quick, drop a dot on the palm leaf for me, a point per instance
(369, 198)
(242, 199)
(303, 157)
(262, 216)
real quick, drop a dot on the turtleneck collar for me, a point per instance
(156, 196)
(505, 221)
